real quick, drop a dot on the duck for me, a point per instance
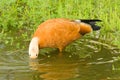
(60, 32)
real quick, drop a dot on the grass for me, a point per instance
(23, 16)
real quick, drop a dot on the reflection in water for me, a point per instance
(72, 66)
(57, 67)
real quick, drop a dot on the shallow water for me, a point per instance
(85, 59)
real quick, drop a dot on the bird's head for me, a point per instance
(33, 53)
(33, 48)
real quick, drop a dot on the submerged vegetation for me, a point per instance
(19, 18)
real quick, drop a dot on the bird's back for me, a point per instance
(57, 33)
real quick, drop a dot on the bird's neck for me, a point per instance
(34, 45)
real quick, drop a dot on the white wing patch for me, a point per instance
(78, 21)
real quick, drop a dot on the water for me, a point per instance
(85, 59)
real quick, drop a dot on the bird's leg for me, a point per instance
(60, 49)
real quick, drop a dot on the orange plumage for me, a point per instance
(58, 33)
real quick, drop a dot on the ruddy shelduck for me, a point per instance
(58, 33)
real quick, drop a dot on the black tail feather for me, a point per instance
(92, 22)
